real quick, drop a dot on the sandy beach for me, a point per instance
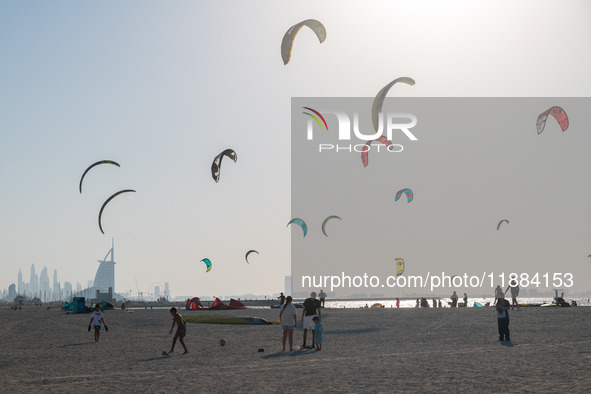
(417, 350)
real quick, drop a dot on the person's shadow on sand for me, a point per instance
(507, 343)
(77, 344)
(295, 353)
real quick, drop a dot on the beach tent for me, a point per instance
(68, 306)
(218, 304)
(79, 305)
(107, 306)
(236, 304)
(194, 304)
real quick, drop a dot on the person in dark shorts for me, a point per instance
(311, 309)
(322, 296)
(503, 307)
(180, 331)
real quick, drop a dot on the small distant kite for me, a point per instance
(300, 223)
(249, 252)
(105, 204)
(499, 225)
(290, 35)
(399, 266)
(326, 221)
(366, 148)
(558, 114)
(217, 163)
(96, 164)
(208, 264)
(378, 101)
(408, 192)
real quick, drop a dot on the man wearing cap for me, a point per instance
(311, 309)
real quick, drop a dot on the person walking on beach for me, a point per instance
(96, 319)
(454, 300)
(397, 303)
(281, 299)
(514, 295)
(322, 296)
(498, 294)
(465, 300)
(318, 331)
(180, 331)
(434, 303)
(502, 308)
(288, 318)
(311, 308)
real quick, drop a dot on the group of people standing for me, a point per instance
(311, 321)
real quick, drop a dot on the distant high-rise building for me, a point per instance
(105, 275)
(156, 292)
(11, 292)
(44, 288)
(78, 287)
(67, 290)
(90, 283)
(288, 285)
(56, 285)
(166, 290)
(33, 283)
(20, 283)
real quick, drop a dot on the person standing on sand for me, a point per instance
(498, 294)
(514, 295)
(97, 317)
(311, 309)
(397, 303)
(322, 296)
(180, 331)
(318, 331)
(288, 318)
(503, 307)
(454, 300)
(465, 300)
(434, 303)
(281, 299)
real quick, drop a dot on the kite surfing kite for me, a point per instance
(249, 252)
(558, 114)
(499, 225)
(399, 267)
(408, 192)
(382, 139)
(290, 35)
(208, 264)
(378, 102)
(96, 164)
(217, 163)
(300, 223)
(105, 204)
(326, 221)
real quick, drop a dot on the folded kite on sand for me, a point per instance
(227, 320)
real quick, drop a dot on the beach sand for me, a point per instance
(418, 350)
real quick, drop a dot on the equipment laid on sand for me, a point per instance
(558, 301)
(194, 304)
(227, 320)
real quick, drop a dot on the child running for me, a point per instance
(180, 331)
(96, 319)
(318, 330)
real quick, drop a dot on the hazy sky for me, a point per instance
(163, 87)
